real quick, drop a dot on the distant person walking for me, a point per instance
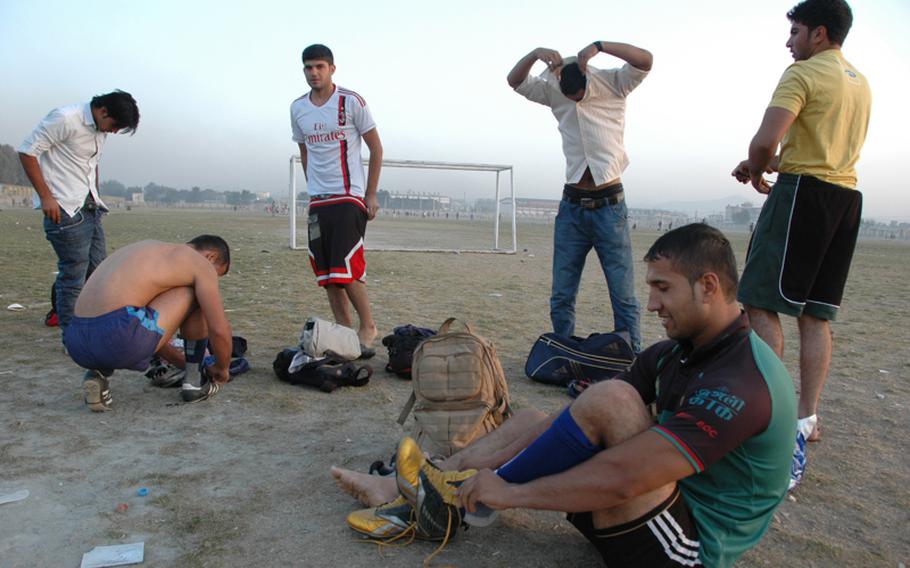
(589, 105)
(803, 241)
(60, 158)
(328, 125)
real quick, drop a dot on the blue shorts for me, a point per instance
(125, 338)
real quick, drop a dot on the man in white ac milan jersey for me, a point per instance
(328, 125)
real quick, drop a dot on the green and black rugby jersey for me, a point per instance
(730, 408)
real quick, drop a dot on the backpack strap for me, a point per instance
(444, 328)
(502, 411)
(408, 406)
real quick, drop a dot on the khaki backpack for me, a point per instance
(460, 391)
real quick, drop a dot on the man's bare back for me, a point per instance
(138, 273)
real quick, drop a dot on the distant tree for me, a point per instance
(11, 171)
(485, 205)
(384, 197)
(243, 197)
(114, 188)
(195, 195)
(160, 193)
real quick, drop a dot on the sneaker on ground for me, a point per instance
(798, 465)
(191, 393)
(804, 428)
(429, 490)
(97, 391)
(164, 375)
(389, 521)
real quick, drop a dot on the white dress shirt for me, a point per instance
(591, 129)
(68, 145)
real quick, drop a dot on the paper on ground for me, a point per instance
(13, 497)
(116, 555)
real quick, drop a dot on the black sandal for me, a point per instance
(380, 468)
(347, 374)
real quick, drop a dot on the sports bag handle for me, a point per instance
(444, 328)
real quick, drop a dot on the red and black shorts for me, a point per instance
(666, 536)
(336, 227)
(801, 249)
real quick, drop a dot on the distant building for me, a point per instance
(136, 198)
(741, 215)
(658, 219)
(114, 201)
(893, 230)
(529, 207)
(419, 201)
(15, 195)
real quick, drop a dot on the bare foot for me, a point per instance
(816, 435)
(367, 335)
(371, 490)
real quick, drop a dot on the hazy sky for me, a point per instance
(214, 81)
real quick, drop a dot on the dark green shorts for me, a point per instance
(801, 249)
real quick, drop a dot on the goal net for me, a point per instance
(423, 209)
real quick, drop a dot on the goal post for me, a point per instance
(498, 171)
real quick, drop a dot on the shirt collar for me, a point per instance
(733, 332)
(551, 77)
(87, 117)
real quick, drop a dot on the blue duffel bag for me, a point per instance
(558, 360)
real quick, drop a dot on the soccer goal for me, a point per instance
(438, 221)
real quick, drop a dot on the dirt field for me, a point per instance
(242, 480)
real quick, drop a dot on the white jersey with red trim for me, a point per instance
(332, 134)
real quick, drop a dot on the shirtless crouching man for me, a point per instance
(137, 299)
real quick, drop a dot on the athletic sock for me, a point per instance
(194, 350)
(562, 446)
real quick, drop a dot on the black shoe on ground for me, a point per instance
(190, 393)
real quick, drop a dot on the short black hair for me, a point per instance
(121, 106)
(215, 244)
(696, 249)
(835, 15)
(572, 80)
(318, 51)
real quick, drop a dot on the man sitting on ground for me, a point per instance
(137, 299)
(697, 485)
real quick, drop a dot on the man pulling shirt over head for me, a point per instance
(589, 104)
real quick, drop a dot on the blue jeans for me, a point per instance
(79, 244)
(577, 230)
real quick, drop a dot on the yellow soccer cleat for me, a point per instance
(429, 490)
(385, 521)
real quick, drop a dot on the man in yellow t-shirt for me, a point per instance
(803, 242)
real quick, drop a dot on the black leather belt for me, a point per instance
(594, 199)
(89, 206)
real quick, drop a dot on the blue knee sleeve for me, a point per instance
(562, 446)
